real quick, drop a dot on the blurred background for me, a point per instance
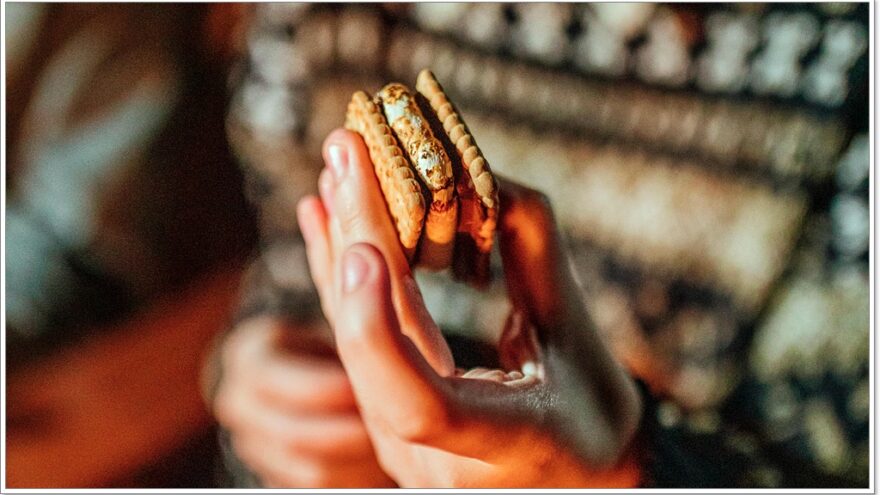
(708, 163)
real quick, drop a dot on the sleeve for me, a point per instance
(674, 457)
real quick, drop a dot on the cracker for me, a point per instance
(402, 191)
(432, 165)
(475, 185)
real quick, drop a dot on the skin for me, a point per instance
(288, 405)
(570, 423)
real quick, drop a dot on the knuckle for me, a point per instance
(535, 197)
(230, 360)
(388, 463)
(246, 454)
(457, 478)
(413, 430)
(349, 213)
(540, 204)
(354, 331)
(426, 424)
(318, 476)
(223, 408)
(528, 206)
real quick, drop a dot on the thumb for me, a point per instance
(392, 381)
(539, 279)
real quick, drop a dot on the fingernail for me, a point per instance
(355, 270)
(338, 156)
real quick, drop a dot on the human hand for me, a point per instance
(568, 424)
(288, 406)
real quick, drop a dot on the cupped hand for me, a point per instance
(563, 413)
(287, 403)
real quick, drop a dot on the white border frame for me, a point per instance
(872, 340)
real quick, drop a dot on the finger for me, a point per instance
(486, 374)
(277, 468)
(312, 218)
(258, 361)
(539, 280)
(305, 385)
(518, 347)
(342, 437)
(337, 436)
(358, 203)
(393, 383)
(360, 215)
(541, 283)
(268, 468)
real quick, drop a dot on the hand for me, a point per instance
(290, 412)
(568, 424)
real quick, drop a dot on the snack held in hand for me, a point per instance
(438, 186)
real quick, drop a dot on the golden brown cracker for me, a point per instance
(432, 165)
(475, 185)
(401, 189)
